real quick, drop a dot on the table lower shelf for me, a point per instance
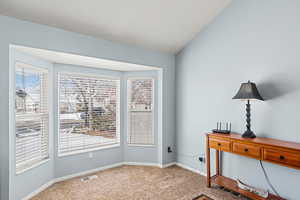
(231, 184)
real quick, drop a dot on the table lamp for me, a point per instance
(248, 91)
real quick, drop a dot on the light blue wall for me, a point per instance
(254, 40)
(24, 33)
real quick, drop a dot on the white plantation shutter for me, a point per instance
(88, 112)
(31, 116)
(140, 111)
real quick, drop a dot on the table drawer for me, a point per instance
(283, 157)
(246, 150)
(222, 145)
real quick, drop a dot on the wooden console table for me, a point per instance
(266, 149)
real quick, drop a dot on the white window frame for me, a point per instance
(128, 93)
(101, 147)
(12, 112)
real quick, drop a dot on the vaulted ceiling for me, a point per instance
(161, 25)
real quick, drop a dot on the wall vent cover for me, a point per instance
(87, 178)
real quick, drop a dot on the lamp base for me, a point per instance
(248, 134)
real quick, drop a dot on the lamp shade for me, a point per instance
(248, 91)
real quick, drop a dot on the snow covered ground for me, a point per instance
(77, 141)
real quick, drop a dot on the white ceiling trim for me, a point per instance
(86, 61)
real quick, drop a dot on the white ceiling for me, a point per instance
(163, 25)
(73, 59)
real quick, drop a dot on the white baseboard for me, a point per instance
(190, 169)
(150, 164)
(168, 165)
(40, 189)
(56, 180)
(110, 166)
(142, 164)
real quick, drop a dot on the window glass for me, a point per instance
(88, 112)
(31, 116)
(140, 111)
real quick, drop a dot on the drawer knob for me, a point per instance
(219, 144)
(281, 157)
(246, 150)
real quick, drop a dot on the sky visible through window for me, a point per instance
(31, 105)
(30, 80)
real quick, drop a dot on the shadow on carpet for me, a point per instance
(202, 197)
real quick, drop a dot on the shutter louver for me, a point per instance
(31, 116)
(140, 111)
(88, 113)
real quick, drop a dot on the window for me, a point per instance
(140, 111)
(31, 116)
(88, 113)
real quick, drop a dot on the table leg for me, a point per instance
(217, 163)
(207, 152)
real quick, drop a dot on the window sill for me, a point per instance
(142, 145)
(32, 166)
(89, 150)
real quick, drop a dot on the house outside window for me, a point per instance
(31, 116)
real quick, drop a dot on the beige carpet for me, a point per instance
(135, 183)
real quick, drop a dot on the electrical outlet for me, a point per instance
(201, 159)
(169, 150)
(91, 155)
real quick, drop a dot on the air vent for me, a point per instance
(87, 178)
